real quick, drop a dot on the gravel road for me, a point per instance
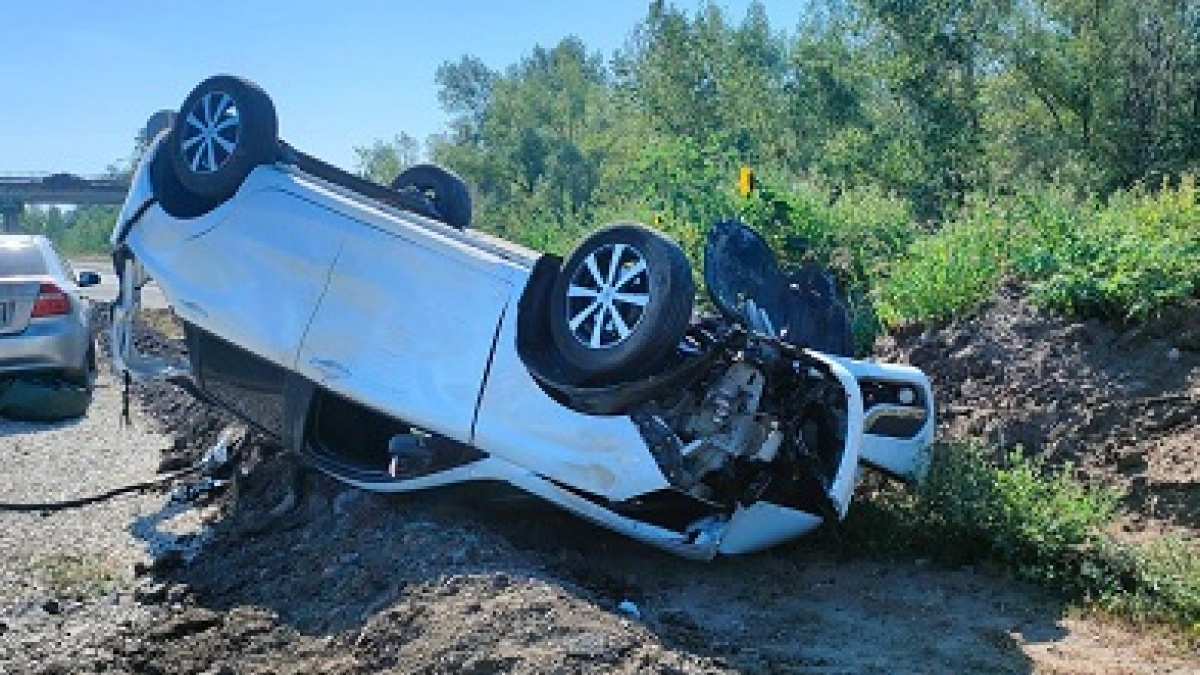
(67, 580)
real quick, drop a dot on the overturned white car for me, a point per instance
(374, 333)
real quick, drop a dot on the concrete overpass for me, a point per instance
(17, 190)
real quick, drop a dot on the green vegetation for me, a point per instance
(1038, 521)
(926, 150)
(83, 576)
(1123, 258)
(75, 231)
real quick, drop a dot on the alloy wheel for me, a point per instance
(213, 129)
(607, 296)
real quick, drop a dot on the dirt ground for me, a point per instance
(480, 579)
(1122, 404)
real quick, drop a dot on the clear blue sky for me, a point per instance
(79, 78)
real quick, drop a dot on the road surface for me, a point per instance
(152, 296)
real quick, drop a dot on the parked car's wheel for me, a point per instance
(225, 128)
(622, 302)
(85, 376)
(443, 187)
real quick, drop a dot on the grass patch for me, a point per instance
(87, 576)
(1040, 523)
(1126, 259)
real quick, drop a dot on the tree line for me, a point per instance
(929, 100)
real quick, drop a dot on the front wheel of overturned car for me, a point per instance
(622, 302)
(225, 128)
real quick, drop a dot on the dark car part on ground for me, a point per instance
(215, 469)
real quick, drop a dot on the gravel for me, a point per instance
(67, 578)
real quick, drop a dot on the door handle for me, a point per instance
(194, 307)
(329, 370)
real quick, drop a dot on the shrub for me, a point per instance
(1126, 259)
(950, 272)
(1039, 522)
(1138, 254)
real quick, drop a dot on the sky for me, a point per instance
(79, 78)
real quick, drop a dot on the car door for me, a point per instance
(250, 272)
(407, 325)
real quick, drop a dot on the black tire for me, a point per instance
(580, 300)
(170, 193)
(225, 128)
(85, 377)
(446, 189)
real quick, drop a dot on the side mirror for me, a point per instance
(88, 278)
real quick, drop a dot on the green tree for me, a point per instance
(383, 161)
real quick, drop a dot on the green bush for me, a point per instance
(1038, 521)
(1159, 581)
(1126, 259)
(949, 273)
(1028, 514)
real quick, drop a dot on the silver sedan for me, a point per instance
(45, 325)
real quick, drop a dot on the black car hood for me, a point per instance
(747, 285)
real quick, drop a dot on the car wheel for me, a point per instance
(225, 128)
(443, 187)
(622, 302)
(86, 376)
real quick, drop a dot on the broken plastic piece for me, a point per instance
(628, 608)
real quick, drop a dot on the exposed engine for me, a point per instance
(768, 418)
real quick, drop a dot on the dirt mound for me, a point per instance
(351, 582)
(1122, 404)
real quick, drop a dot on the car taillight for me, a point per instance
(51, 301)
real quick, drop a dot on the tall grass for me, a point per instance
(1126, 258)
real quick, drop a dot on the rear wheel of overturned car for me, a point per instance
(443, 187)
(622, 302)
(225, 128)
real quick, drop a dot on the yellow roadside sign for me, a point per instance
(745, 181)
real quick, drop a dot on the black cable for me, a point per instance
(103, 496)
